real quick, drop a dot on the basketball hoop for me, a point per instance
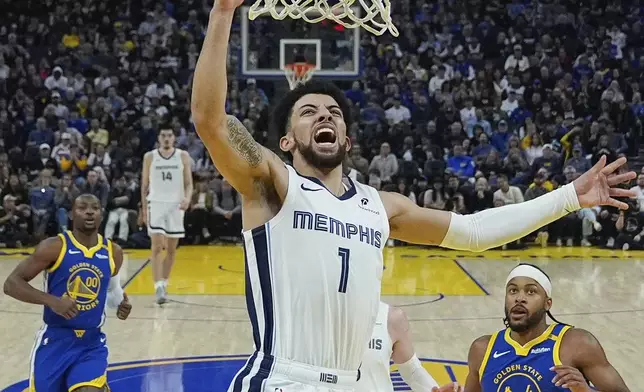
(298, 73)
(376, 21)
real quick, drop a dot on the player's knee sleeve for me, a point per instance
(416, 376)
(114, 292)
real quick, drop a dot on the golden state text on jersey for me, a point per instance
(82, 274)
(511, 367)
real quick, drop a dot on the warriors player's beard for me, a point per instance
(531, 321)
(322, 161)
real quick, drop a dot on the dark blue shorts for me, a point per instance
(65, 359)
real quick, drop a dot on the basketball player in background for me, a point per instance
(81, 274)
(166, 190)
(313, 243)
(530, 355)
(391, 340)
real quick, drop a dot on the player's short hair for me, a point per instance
(281, 115)
(166, 127)
(89, 196)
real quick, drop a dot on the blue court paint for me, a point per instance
(194, 374)
(470, 276)
(450, 372)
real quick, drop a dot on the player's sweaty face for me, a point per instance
(87, 214)
(525, 303)
(319, 130)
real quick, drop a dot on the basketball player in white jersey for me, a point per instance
(166, 190)
(391, 340)
(313, 245)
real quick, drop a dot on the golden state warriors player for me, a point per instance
(391, 340)
(313, 244)
(81, 278)
(532, 356)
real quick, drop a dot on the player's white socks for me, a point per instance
(165, 283)
(159, 284)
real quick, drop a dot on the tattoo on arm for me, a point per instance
(242, 141)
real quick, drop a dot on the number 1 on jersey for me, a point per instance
(344, 275)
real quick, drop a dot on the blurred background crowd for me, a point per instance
(476, 105)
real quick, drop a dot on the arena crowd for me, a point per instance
(476, 105)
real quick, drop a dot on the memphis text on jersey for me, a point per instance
(304, 220)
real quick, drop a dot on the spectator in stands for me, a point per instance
(63, 199)
(41, 200)
(385, 163)
(119, 205)
(13, 223)
(227, 209)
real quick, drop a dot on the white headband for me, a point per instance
(528, 271)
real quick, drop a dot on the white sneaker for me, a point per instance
(626, 246)
(161, 295)
(569, 242)
(585, 242)
(559, 242)
(610, 243)
(597, 226)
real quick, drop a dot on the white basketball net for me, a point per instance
(298, 73)
(376, 21)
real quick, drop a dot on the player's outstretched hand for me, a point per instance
(598, 185)
(124, 309)
(65, 306)
(451, 387)
(227, 5)
(571, 378)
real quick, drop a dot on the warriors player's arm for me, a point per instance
(44, 257)
(114, 288)
(475, 359)
(145, 181)
(187, 175)
(582, 350)
(403, 354)
(475, 232)
(250, 168)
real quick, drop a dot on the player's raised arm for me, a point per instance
(17, 284)
(497, 226)
(235, 153)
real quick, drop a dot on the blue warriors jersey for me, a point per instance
(82, 274)
(510, 367)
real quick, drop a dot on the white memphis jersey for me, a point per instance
(166, 177)
(374, 371)
(313, 275)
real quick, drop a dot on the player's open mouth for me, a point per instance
(89, 221)
(518, 311)
(324, 135)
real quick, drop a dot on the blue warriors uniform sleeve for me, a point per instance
(509, 366)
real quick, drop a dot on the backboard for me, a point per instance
(269, 44)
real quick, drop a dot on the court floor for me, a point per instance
(198, 341)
